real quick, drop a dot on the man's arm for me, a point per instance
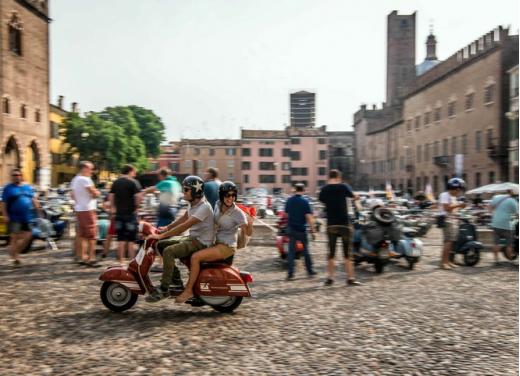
(111, 200)
(93, 191)
(177, 230)
(310, 221)
(151, 189)
(138, 198)
(177, 222)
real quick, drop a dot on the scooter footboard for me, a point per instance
(121, 275)
(221, 280)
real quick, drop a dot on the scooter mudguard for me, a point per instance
(121, 275)
(468, 245)
(220, 280)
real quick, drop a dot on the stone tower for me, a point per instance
(400, 58)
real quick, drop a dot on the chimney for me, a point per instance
(75, 107)
(374, 107)
(60, 101)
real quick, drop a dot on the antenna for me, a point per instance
(431, 26)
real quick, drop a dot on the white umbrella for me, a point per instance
(494, 188)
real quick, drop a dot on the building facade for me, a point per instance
(303, 109)
(63, 169)
(512, 115)
(449, 120)
(341, 153)
(24, 86)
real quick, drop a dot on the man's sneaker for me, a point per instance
(17, 264)
(290, 278)
(157, 294)
(312, 274)
(176, 286)
(329, 282)
(353, 282)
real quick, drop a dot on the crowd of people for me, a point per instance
(215, 222)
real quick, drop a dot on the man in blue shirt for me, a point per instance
(18, 203)
(299, 215)
(211, 186)
(503, 207)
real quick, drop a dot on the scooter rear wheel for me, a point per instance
(472, 257)
(116, 297)
(229, 306)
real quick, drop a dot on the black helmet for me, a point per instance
(196, 185)
(225, 188)
(456, 183)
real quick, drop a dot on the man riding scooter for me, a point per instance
(199, 220)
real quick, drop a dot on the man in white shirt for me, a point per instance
(84, 194)
(448, 207)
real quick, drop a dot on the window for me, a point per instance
(489, 92)
(478, 140)
(454, 145)
(426, 118)
(267, 142)
(322, 171)
(409, 125)
(445, 146)
(437, 114)
(491, 177)
(37, 116)
(246, 152)
(427, 154)
(15, 35)
(323, 155)
(23, 111)
(436, 145)
(419, 153)
(435, 184)
(451, 109)
(196, 151)
(295, 155)
(265, 152)
(5, 106)
(55, 130)
(469, 103)
(174, 166)
(401, 163)
(321, 183)
(246, 165)
(266, 179)
(286, 166)
(211, 152)
(295, 141)
(286, 179)
(465, 144)
(187, 166)
(246, 178)
(266, 166)
(477, 179)
(489, 138)
(417, 122)
(300, 171)
(321, 141)
(231, 151)
(212, 163)
(231, 164)
(200, 166)
(286, 152)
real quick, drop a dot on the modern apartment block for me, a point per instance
(303, 109)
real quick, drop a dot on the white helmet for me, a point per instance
(375, 203)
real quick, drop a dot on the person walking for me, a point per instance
(84, 194)
(169, 190)
(299, 214)
(449, 206)
(211, 185)
(19, 201)
(503, 208)
(125, 197)
(334, 195)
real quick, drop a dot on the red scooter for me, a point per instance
(218, 285)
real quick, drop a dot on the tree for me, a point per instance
(151, 129)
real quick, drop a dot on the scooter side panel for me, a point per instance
(469, 245)
(221, 280)
(122, 276)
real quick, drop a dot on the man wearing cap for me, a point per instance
(503, 208)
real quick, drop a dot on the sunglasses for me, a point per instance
(186, 189)
(230, 195)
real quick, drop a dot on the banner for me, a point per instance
(459, 164)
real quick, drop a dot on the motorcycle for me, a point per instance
(467, 243)
(219, 284)
(374, 238)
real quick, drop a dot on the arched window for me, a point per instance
(5, 105)
(23, 111)
(37, 117)
(15, 29)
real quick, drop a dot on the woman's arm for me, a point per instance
(248, 227)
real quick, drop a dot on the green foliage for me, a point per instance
(114, 136)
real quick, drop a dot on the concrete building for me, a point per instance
(62, 170)
(24, 86)
(303, 109)
(449, 120)
(341, 153)
(512, 115)
(169, 158)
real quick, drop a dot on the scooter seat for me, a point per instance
(409, 232)
(225, 262)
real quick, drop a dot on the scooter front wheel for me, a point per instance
(412, 261)
(116, 297)
(229, 306)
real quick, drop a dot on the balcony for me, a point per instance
(441, 160)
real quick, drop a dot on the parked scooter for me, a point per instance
(467, 243)
(282, 239)
(219, 284)
(409, 247)
(514, 250)
(48, 228)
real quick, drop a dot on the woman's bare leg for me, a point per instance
(204, 255)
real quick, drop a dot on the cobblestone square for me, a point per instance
(421, 322)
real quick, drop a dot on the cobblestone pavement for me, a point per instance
(422, 322)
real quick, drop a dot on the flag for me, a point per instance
(389, 191)
(429, 192)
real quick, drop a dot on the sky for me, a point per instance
(210, 67)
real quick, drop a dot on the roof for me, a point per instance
(425, 66)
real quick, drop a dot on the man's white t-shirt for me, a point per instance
(446, 198)
(82, 196)
(204, 231)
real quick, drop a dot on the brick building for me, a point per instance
(512, 115)
(341, 153)
(24, 86)
(450, 119)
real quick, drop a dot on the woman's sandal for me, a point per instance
(183, 298)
